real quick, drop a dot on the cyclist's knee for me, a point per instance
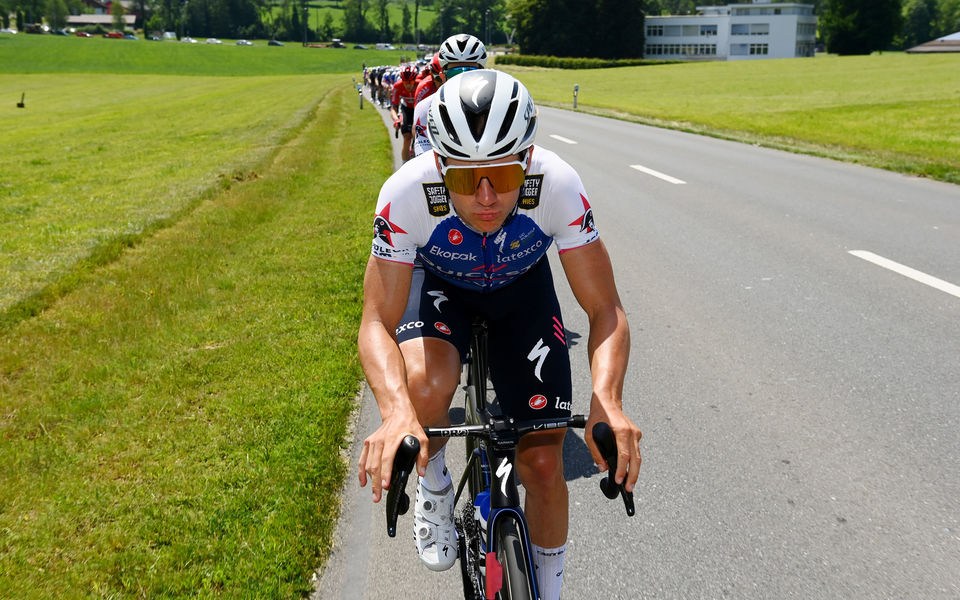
(541, 466)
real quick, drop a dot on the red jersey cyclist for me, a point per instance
(460, 232)
(401, 106)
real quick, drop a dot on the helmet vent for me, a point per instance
(448, 124)
(507, 120)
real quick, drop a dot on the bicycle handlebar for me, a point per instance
(506, 429)
(403, 463)
(607, 444)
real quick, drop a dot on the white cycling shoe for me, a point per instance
(433, 529)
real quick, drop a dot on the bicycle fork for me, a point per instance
(504, 503)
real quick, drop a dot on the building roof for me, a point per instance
(106, 20)
(947, 43)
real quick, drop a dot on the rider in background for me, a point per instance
(458, 54)
(461, 232)
(401, 107)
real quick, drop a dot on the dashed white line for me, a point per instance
(560, 138)
(658, 174)
(886, 263)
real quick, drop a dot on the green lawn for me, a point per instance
(894, 111)
(183, 231)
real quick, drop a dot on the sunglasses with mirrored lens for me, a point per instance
(454, 71)
(465, 179)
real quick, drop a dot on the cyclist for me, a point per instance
(462, 231)
(458, 54)
(401, 106)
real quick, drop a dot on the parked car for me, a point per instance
(274, 43)
(244, 43)
(8, 30)
(360, 47)
(114, 34)
(188, 40)
(155, 38)
(130, 36)
(84, 34)
(213, 41)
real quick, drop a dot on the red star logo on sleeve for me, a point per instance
(383, 228)
(585, 222)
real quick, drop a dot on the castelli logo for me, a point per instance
(446, 331)
(455, 237)
(538, 402)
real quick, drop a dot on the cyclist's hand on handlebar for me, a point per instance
(379, 449)
(628, 442)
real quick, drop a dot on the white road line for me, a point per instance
(658, 174)
(886, 263)
(560, 138)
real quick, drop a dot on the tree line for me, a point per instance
(566, 28)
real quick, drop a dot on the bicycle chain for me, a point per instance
(467, 526)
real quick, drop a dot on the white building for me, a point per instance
(763, 29)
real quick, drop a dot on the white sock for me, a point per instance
(437, 477)
(548, 563)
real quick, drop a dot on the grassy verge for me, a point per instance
(94, 163)
(170, 428)
(893, 111)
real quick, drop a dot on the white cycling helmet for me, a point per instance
(480, 116)
(462, 48)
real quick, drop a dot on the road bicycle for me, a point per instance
(493, 541)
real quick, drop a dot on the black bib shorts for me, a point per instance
(527, 349)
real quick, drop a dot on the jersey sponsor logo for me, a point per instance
(442, 328)
(561, 405)
(455, 237)
(585, 222)
(521, 254)
(438, 204)
(447, 254)
(383, 229)
(537, 402)
(530, 192)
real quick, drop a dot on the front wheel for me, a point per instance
(511, 552)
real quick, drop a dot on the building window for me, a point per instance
(740, 29)
(760, 29)
(739, 49)
(691, 30)
(708, 30)
(654, 30)
(672, 30)
(759, 49)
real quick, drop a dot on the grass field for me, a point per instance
(894, 111)
(170, 425)
(182, 236)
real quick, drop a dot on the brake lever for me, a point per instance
(607, 444)
(397, 500)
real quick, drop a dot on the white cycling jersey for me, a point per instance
(415, 220)
(421, 143)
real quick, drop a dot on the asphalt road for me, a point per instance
(795, 367)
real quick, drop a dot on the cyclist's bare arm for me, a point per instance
(590, 274)
(386, 286)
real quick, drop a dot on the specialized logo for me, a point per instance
(537, 402)
(530, 192)
(438, 203)
(383, 229)
(442, 328)
(585, 222)
(455, 237)
(503, 471)
(539, 354)
(439, 299)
